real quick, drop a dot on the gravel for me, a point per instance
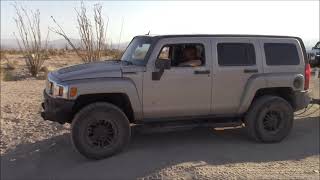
(20, 115)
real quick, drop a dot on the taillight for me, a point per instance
(307, 76)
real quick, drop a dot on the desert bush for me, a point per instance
(11, 51)
(56, 52)
(112, 53)
(30, 42)
(92, 35)
(52, 52)
(46, 70)
(7, 75)
(9, 63)
(45, 56)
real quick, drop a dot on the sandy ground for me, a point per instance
(35, 149)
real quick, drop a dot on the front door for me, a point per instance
(183, 90)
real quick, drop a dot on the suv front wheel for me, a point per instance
(100, 130)
(269, 119)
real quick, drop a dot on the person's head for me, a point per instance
(189, 53)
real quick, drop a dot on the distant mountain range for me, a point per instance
(62, 43)
(55, 44)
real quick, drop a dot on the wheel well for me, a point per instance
(284, 92)
(118, 99)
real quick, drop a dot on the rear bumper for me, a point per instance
(55, 109)
(302, 99)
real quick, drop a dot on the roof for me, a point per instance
(219, 35)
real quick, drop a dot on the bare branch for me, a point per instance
(60, 32)
(92, 35)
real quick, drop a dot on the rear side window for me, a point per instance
(281, 54)
(236, 54)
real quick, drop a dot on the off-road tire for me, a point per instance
(94, 112)
(255, 119)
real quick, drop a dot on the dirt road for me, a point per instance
(194, 154)
(191, 154)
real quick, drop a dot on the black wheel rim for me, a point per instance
(101, 133)
(272, 121)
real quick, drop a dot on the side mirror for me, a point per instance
(313, 48)
(163, 64)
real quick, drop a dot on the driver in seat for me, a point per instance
(190, 58)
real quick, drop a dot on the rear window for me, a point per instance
(236, 54)
(281, 54)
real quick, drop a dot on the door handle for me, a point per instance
(250, 70)
(201, 72)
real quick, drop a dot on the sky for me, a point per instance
(296, 18)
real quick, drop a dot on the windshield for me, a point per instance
(137, 50)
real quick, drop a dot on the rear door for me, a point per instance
(236, 60)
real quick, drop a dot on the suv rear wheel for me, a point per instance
(100, 130)
(269, 119)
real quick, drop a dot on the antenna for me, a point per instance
(148, 33)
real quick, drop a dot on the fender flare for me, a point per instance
(111, 85)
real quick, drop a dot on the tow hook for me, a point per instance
(315, 101)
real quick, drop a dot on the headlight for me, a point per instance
(57, 90)
(60, 91)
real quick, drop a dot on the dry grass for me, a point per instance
(10, 51)
(56, 52)
(112, 53)
(13, 67)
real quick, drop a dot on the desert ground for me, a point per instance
(32, 148)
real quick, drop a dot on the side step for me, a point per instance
(183, 125)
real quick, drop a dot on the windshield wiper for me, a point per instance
(127, 62)
(113, 61)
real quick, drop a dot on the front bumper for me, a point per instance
(55, 109)
(302, 99)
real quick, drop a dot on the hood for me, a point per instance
(92, 70)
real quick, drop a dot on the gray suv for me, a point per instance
(182, 81)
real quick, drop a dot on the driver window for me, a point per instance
(164, 53)
(183, 55)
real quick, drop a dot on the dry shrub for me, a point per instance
(9, 63)
(56, 52)
(46, 70)
(30, 43)
(7, 75)
(113, 53)
(92, 35)
(11, 51)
